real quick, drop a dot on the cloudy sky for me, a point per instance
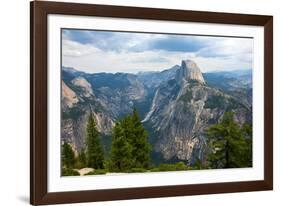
(103, 51)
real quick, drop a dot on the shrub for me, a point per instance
(98, 172)
(79, 165)
(136, 170)
(69, 172)
(179, 166)
(155, 169)
(68, 156)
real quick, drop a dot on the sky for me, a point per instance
(106, 51)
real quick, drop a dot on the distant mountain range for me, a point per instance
(176, 106)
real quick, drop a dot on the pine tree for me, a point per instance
(94, 150)
(138, 139)
(121, 150)
(247, 133)
(129, 148)
(82, 159)
(68, 157)
(229, 147)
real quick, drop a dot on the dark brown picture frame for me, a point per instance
(38, 102)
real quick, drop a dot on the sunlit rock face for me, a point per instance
(189, 71)
(176, 105)
(69, 97)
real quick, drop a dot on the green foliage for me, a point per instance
(139, 140)
(172, 167)
(179, 166)
(68, 157)
(130, 147)
(106, 144)
(230, 145)
(81, 160)
(247, 133)
(197, 165)
(155, 169)
(82, 157)
(94, 151)
(69, 172)
(121, 151)
(137, 170)
(98, 172)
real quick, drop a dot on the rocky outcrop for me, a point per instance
(69, 97)
(74, 130)
(182, 109)
(84, 85)
(189, 71)
(176, 105)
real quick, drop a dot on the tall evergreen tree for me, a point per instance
(129, 148)
(228, 144)
(68, 157)
(82, 159)
(247, 133)
(121, 151)
(139, 141)
(94, 150)
(127, 124)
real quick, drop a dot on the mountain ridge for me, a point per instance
(176, 106)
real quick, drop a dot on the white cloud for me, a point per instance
(228, 47)
(75, 49)
(219, 54)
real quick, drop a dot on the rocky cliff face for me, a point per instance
(84, 85)
(74, 129)
(177, 105)
(76, 105)
(189, 71)
(183, 108)
(69, 98)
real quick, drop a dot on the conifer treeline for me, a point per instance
(129, 147)
(94, 150)
(229, 146)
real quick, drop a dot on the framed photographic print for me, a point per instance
(131, 102)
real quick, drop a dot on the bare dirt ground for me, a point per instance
(84, 171)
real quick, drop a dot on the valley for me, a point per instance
(176, 107)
